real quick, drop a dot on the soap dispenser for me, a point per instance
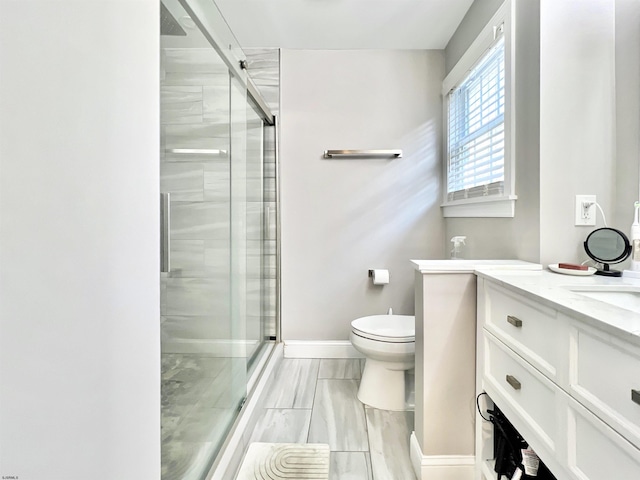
(458, 243)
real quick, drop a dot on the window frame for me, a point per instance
(492, 205)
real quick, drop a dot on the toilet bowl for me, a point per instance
(389, 344)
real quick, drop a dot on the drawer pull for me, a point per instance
(635, 396)
(516, 322)
(513, 381)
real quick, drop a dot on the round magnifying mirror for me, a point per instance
(607, 246)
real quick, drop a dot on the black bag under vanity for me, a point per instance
(514, 459)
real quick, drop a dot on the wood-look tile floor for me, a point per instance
(314, 401)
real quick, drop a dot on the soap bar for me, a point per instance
(572, 266)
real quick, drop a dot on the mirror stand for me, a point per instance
(607, 272)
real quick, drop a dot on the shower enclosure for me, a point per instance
(218, 234)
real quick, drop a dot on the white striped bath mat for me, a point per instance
(276, 461)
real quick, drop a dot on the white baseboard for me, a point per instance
(320, 349)
(440, 467)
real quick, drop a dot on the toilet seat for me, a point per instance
(386, 328)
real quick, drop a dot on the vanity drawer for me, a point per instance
(530, 329)
(528, 393)
(605, 377)
(595, 451)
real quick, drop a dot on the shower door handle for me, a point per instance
(165, 232)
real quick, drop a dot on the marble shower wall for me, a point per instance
(264, 70)
(195, 114)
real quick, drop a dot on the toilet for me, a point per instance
(389, 344)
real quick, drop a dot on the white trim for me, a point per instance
(510, 105)
(427, 267)
(320, 349)
(440, 467)
(502, 207)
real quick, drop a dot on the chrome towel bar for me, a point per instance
(362, 153)
(197, 151)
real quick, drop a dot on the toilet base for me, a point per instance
(382, 387)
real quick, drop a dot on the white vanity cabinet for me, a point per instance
(604, 376)
(567, 386)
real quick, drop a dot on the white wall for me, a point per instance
(627, 111)
(343, 217)
(577, 119)
(79, 281)
(517, 237)
(584, 138)
(478, 15)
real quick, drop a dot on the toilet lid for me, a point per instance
(386, 328)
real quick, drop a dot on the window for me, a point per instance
(479, 173)
(476, 129)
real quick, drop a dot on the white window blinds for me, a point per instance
(476, 129)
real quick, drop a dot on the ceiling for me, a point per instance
(344, 24)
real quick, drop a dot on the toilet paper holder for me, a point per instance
(379, 277)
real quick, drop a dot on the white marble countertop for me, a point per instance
(470, 266)
(554, 290)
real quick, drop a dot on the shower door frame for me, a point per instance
(257, 103)
(207, 25)
(204, 16)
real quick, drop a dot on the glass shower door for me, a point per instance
(256, 222)
(202, 136)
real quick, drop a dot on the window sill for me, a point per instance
(482, 207)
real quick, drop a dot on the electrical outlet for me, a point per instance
(585, 210)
